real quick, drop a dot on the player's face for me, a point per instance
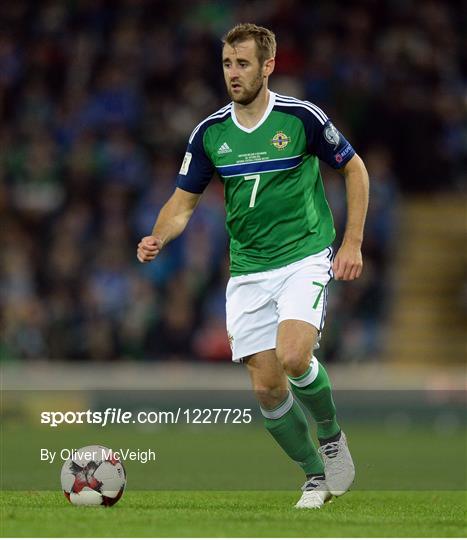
(244, 76)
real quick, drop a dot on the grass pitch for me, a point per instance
(234, 481)
(236, 513)
(244, 458)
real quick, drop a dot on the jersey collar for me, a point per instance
(272, 100)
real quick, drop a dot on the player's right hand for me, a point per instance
(148, 249)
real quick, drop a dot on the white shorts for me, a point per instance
(257, 303)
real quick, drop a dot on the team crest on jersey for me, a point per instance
(280, 140)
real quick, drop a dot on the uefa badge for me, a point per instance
(331, 135)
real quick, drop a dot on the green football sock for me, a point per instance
(313, 388)
(287, 423)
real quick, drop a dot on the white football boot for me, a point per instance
(315, 493)
(338, 465)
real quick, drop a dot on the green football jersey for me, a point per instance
(276, 207)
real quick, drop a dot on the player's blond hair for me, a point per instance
(265, 39)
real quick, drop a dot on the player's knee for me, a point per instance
(270, 396)
(294, 362)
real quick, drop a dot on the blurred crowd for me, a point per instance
(97, 100)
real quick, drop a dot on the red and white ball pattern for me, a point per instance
(93, 476)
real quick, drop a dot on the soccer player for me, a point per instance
(266, 150)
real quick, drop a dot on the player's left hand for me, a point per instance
(348, 262)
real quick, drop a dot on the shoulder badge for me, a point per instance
(331, 135)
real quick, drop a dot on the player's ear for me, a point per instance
(268, 67)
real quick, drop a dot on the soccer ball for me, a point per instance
(93, 476)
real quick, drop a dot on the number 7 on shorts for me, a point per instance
(321, 289)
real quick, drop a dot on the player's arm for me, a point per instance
(171, 222)
(332, 147)
(348, 262)
(194, 175)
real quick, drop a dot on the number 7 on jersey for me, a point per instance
(256, 178)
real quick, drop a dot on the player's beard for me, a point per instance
(249, 94)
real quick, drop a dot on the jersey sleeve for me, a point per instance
(325, 140)
(197, 169)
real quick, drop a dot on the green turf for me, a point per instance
(236, 457)
(262, 483)
(247, 513)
